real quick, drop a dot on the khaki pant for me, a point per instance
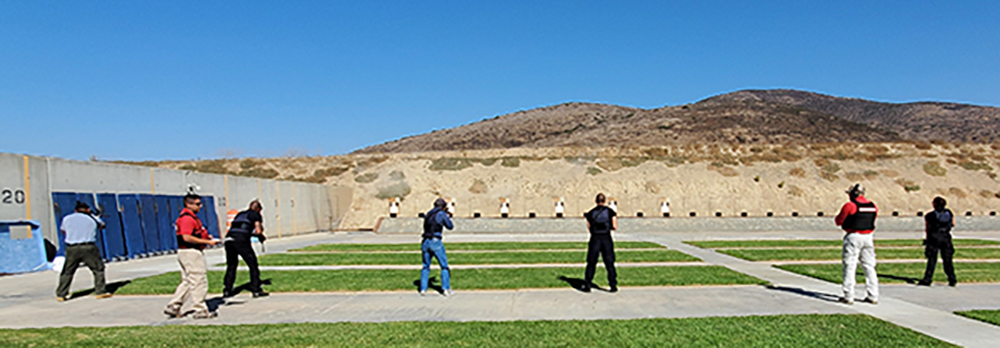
(861, 246)
(194, 281)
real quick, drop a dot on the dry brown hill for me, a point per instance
(744, 117)
(920, 121)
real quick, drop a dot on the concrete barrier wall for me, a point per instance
(290, 208)
(653, 225)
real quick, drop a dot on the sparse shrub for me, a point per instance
(217, 166)
(722, 169)
(870, 174)
(986, 194)
(397, 190)
(652, 187)
(795, 191)
(512, 162)
(781, 184)
(450, 163)
(920, 145)
(594, 170)
(332, 171)
(488, 161)
(263, 173)
(633, 161)
(797, 172)
(756, 178)
(852, 176)
(974, 166)
(397, 175)
(478, 186)
(609, 164)
(934, 169)
(997, 195)
(957, 192)
(674, 161)
(248, 163)
(889, 173)
(366, 178)
(908, 185)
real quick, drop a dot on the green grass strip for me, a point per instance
(466, 279)
(812, 330)
(835, 254)
(475, 246)
(793, 243)
(990, 316)
(303, 259)
(986, 272)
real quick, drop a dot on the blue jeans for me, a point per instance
(433, 247)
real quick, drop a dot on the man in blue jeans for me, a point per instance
(435, 222)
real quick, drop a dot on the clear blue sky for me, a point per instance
(175, 80)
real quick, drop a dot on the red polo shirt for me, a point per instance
(189, 224)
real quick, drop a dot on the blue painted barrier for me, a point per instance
(135, 244)
(165, 223)
(22, 255)
(150, 227)
(113, 234)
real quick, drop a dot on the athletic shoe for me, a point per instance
(613, 289)
(924, 283)
(103, 296)
(870, 300)
(260, 294)
(172, 311)
(423, 292)
(845, 300)
(227, 293)
(585, 289)
(61, 299)
(448, 292)
(205, 315)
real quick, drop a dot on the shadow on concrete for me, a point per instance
(110, 287)
(908, 280)
(430, 285)
(246, 286)
(579, 284)
(803, 292)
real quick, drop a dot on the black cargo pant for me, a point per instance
(90, 256)
(601, 244)
(947, 253)
(236, 248)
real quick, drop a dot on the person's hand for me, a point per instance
(213, 242)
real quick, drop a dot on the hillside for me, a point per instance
(743, 117)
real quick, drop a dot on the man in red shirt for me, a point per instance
(857, 218)
(192, 237)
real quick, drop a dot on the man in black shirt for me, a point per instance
(938, 225)
(601, 221)
(248, 223)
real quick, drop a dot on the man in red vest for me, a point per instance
(857, 218)
(192, 237)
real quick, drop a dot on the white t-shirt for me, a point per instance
(80, 228)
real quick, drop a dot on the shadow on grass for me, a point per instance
(430, 285)
(110, 287)
(803, 292)
(579, 284)
(908, 280)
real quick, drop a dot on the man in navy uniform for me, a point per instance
(246, 224)
(601, 221)
(938, 224)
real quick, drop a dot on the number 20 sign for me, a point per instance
(12, 196)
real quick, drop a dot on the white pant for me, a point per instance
(863, 245)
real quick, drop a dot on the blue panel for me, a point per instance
(62, 204)
(132, 222)
(89, 199)
(150, 228)
(23, 254)
(208, 216)
(113, 235)
(165, 223)
(176, 205)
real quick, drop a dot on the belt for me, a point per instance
(84, 243)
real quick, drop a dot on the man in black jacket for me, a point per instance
(601, 221)
(248, 223)
(938, 225)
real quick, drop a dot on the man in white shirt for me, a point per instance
(80, 229)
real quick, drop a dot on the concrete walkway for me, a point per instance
(933, 322)
(28, 300)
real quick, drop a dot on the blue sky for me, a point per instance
(174, 80)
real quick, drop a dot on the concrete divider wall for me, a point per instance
(653, 224)
(27, 184)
